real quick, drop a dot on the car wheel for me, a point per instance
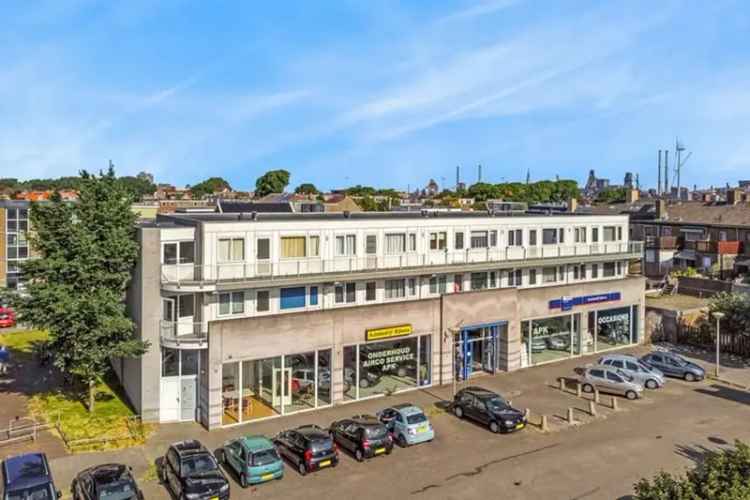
(631, 395)
(302, 469)
(388, 451)
(494, 427)
(364, 383)
(401, 372)
(587, 388)
(359, 455)
(402, 441)
(243, 480)
(458, 411)
(689, 377)
(651, 384)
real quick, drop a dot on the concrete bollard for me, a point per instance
(596, 395)
(571, 420)
(579, 390)
(527, 414)
(592, 408)
(544, 424)
(614, 403)
(562, 384)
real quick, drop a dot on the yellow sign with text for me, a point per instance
(387, 332)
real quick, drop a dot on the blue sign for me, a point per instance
(568, 303)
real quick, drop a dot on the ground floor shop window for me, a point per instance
(385, 367)
(550, 339)
(261, 388)
(477, 349)
(613, 327)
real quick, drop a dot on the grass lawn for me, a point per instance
(67, 405)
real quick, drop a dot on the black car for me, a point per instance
(308, 447)
(363, 435)
(104, 482)
(488, 408)
(190, 471)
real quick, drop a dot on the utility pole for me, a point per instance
(666, 173)
(658, 183)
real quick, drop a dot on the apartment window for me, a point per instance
(262, 300)
(231, 303)
(395, 243)
(532, 276)
(458, 282)
(412, 242)
(479, 239)
(493, 279)
(609, 233)
(532, 237)
(594, 271)
(515, 277)
(292, 298)
(515, 238)
(575, 273)
(459, 243)
(395, 289)
(370, 291)
(313, 247)
(580, 235)
(293, 247)
(595, 235)
(549, 275)
(186, 306)
(346, 245)
(619, 268)
(478, 281)
(609, 269)
(549, 236)
(493, 238)
(438, 241)
(665, 231)
(722, 236)
(182, 252)
(619, 233)
(231, 249)
(412, 286)
(263, 249)
(345, 293)
(438, 284)
(313, 295)
(371, 244)
(169, 253)
(561, 235)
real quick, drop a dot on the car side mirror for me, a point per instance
(58, 493)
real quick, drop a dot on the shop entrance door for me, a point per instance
(477, 349)
(281, 387)
(169, 399)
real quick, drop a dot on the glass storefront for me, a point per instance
(478, 349)
(178, 391)
(550, 339)
(279, 385)
(613, 328)
(376, 368)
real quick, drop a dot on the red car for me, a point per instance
(7, 317)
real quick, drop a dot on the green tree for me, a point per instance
(76, 288)
(612, 195)
(736, 308)
(209, 186)
(723, 475)
(306, 188)
(273, 181)
(137, 187)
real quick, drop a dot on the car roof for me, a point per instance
(479, 392)
(408, 409)
(27, 470)
(628, 357)
(365, 420)
(255, 443)
(311, 431)
(189, 447)
(107, 473)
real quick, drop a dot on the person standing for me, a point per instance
(4, 360)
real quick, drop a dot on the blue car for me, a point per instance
(407, 424)
(28, 477)
(253, 459)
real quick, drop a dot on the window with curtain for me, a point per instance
(292, 298)
(438, 240)
(371, 244)
(346, 245)
(609, 233)
(395, 243)
(479, 239)
(293, 247)
(395, 289)
(313, 295)
(231, 303)
(412, 242)
(231, 249)
(313, 248)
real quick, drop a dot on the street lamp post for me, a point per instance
(718, 315)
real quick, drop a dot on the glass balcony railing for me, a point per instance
(285, 268)
(183, 334)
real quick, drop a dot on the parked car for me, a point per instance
(488, 408)
(647, 376)
(7, 316)
(253, 458)
(367, 378)
(189, 470)
(407, 424)
(28, 476)
(538, 345)
(674, 365)
(363, 435)
(104, 482)
(559, 342)
(308, 447)
(611, 380)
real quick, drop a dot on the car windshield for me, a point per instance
(496, 403)
(42, 492)
(416, 418)
(375, 431)
(198, 464)
(265, 457)
(121, 490)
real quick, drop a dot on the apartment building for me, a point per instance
(252, 316)
(14, 245)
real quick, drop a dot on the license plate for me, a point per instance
(266, 477)
(422, 429)
(324, 463)
(520, 426)
(214, 498)
(379, 451)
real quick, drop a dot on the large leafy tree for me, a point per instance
(306, 188)
(76, 287)
(209, 186)
(273, 181)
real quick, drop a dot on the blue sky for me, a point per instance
(375, 92)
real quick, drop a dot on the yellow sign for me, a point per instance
(387, 332)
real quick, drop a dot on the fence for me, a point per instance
(23, 429)
(705, 337)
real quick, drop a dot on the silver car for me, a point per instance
(647, 376)
(611, 380)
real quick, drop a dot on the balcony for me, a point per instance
(719, 247)
(183, 335)
(190, 276)
(662, 242)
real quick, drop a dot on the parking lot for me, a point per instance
(598, 457)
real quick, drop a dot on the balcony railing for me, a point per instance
(719, 247)
(183, 335)
(662, 242)
(288, 268)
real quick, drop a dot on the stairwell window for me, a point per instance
(231, 249)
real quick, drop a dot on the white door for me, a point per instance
(281, 389)
(188, 393)
(169, 400)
